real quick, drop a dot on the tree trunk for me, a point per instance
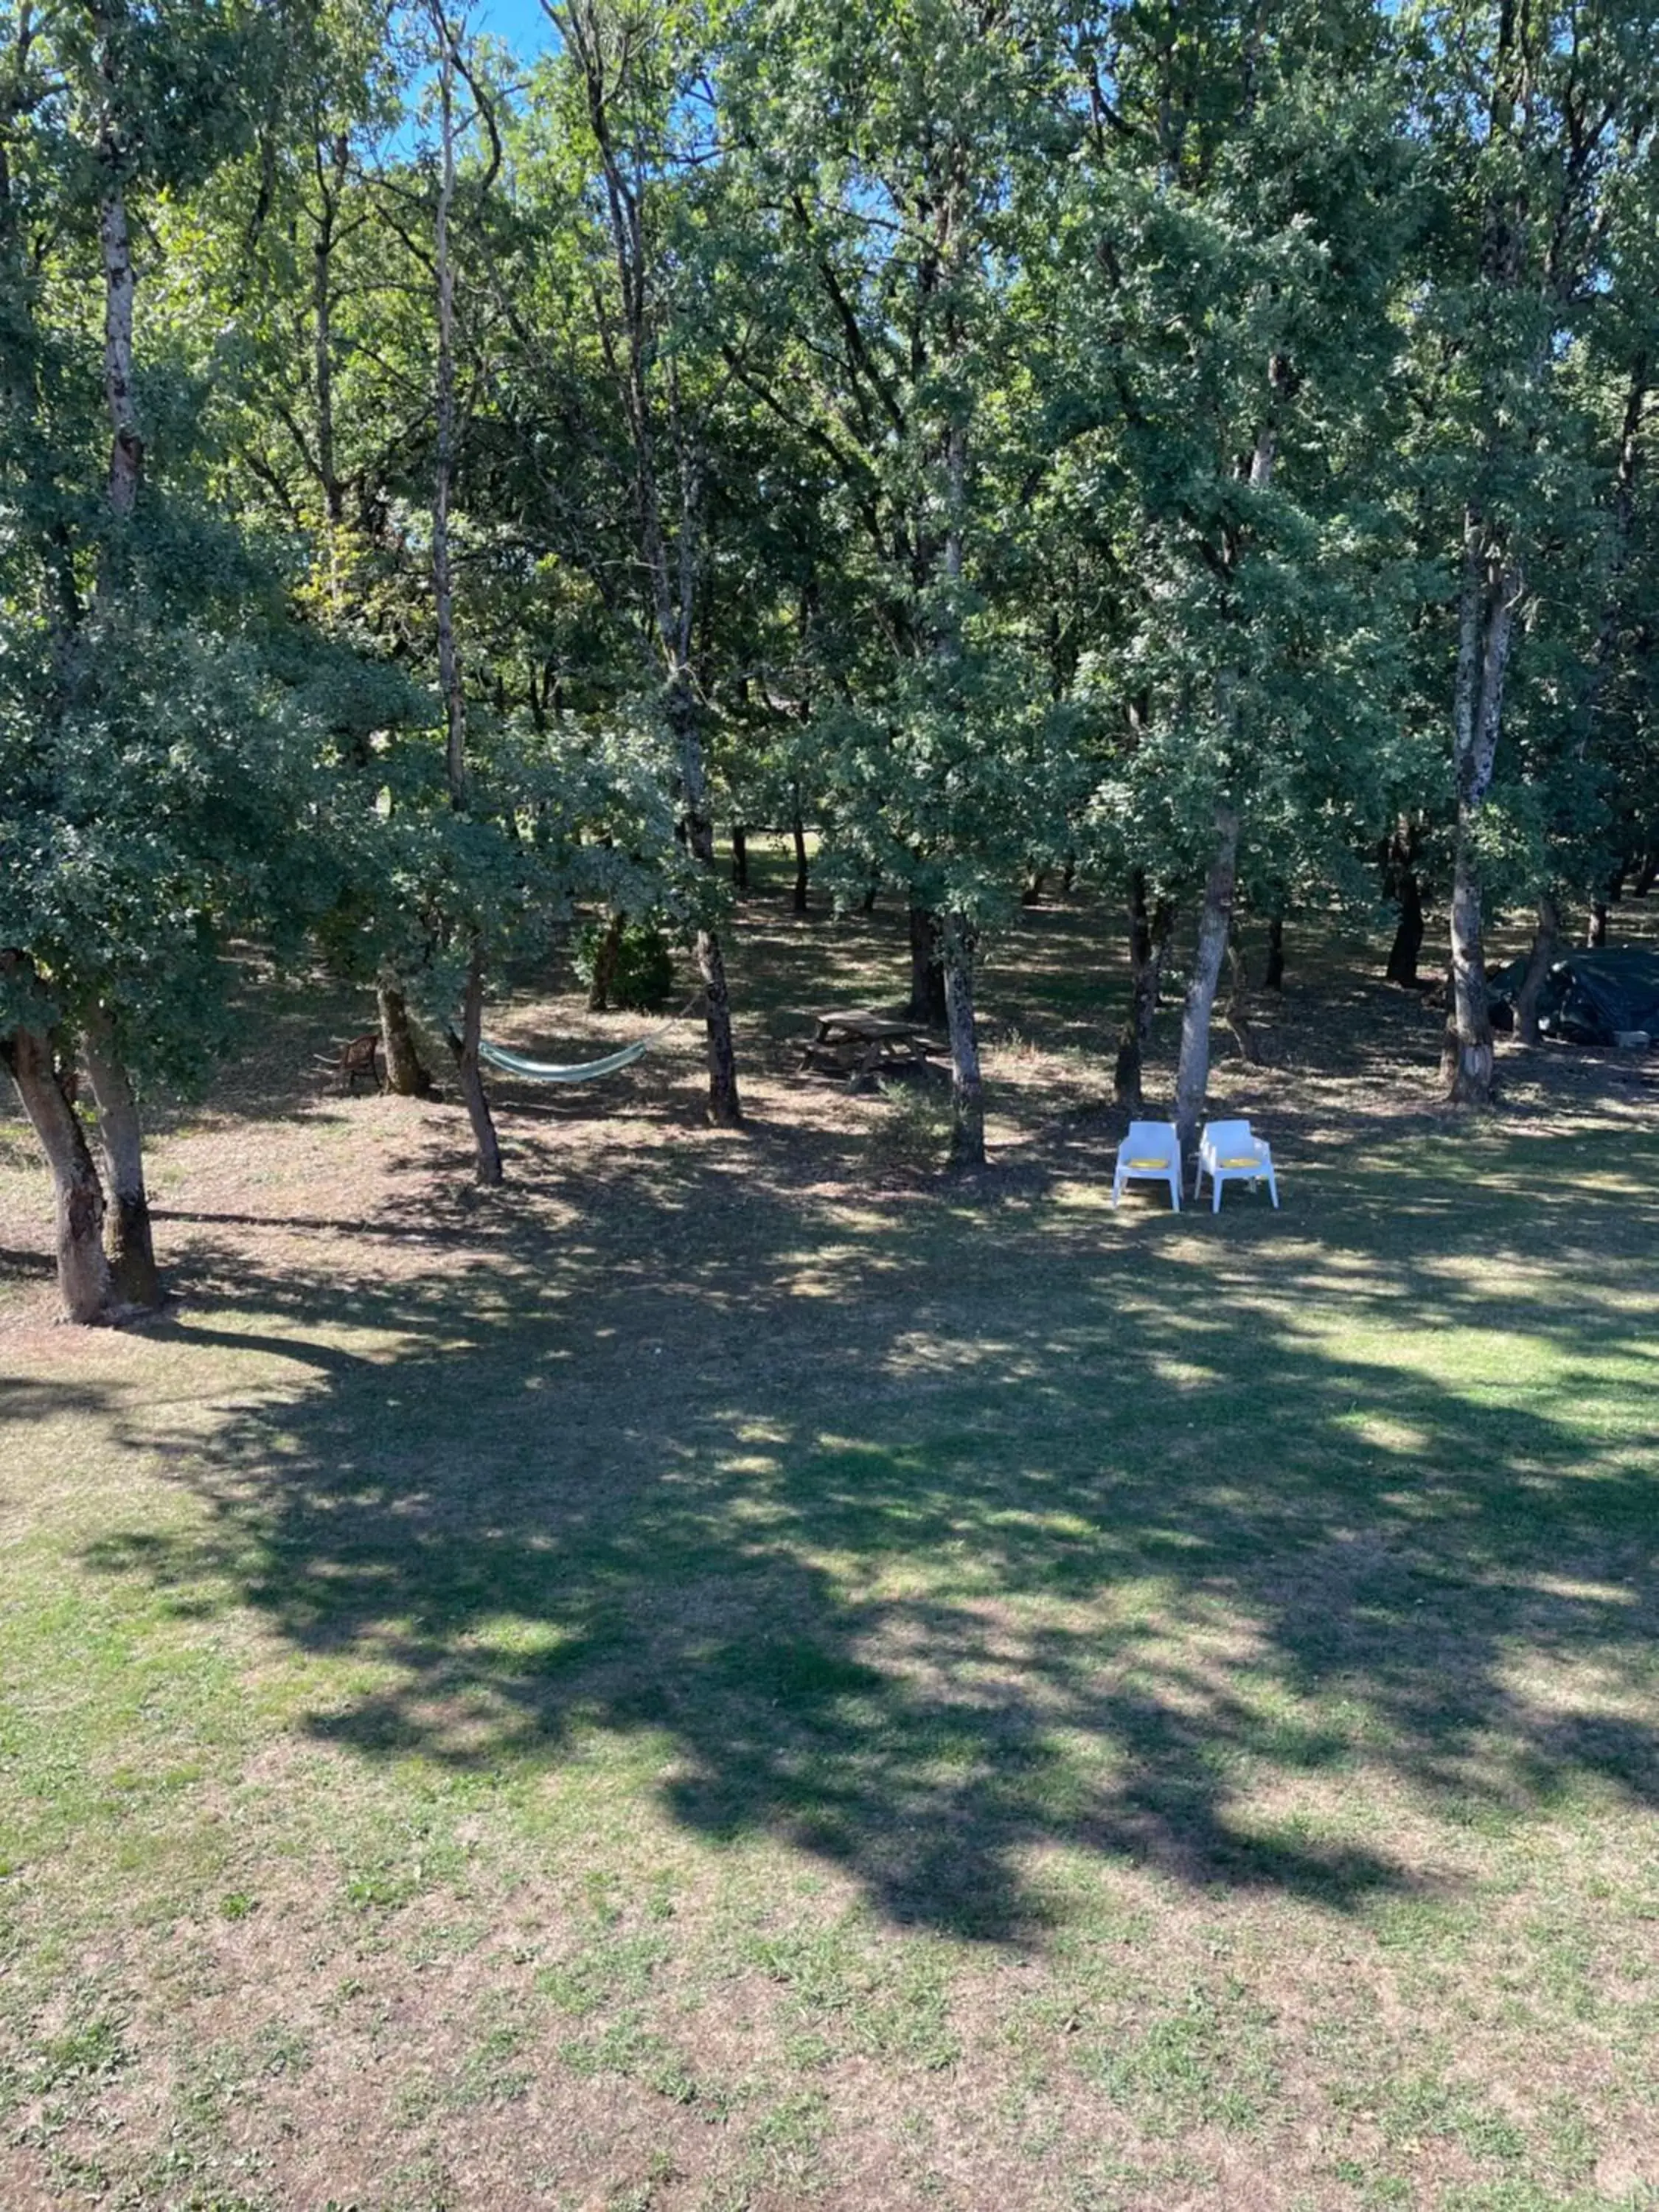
(133, 1272)
(1546, 938)
(740, 857)
(1238, 1007)
(465, 1049)
(1488, 595)
(407, 1075)
(867, 903)
(84, 1277)
(443, 590)
(605, 957)
(1467, 1058)
(1031, 890)
(1274, 978)
(724, 1107)
(1647, 869)
(798, 830)
(967, 1087)
(1595, 936)
(1215, 920)
(1147, 950)
(1408, 947)
(487, 1145)
(927, 995)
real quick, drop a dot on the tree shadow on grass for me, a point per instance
(923, 1539)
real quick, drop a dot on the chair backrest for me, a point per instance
(1149, 1139)
(1227, 1136)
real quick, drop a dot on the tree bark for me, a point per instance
(1546, 941)
(1215, 920)
(740, 857)
(1408, 947)
(1274, 978)
(966, 1086)
(605, 957)
(134, 1276)
(1595, 935)
(407, 1075)
(928, 994)
(724, 1107)
(1149, 940)
(1468, 1058)
(1488, 595)
(1238, 1006)
(647, 386)
(798, 830)
(465, 1050)
(83, 1276)
(126, 454)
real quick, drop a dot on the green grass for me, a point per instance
(708, 1681)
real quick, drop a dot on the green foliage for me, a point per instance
(641, 975)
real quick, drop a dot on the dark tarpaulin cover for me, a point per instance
(1589, 998)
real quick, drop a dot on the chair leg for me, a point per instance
(1174, 1191)
(1216, 1182)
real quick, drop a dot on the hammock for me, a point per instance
(578, 1070)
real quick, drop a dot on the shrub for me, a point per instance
(642, 973)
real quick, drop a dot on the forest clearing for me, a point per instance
(731, 1673)
(696, 697)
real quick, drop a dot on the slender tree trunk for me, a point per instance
(1238, 1006)
(740, 858)
(1144, 961)
(1546, 942)
(406, 1074)
(131, 1247)
(1408, 947)
(724, 1107)
(927, 995)
(966, 1086)
(1487, 597)
(1215, 920)
(84, 1277)
(1646, 872)
(1274, 978)
(1468, 1057)
(873, 885)
(488, 1150)
(671, 559)
(1031, 890)
(1595, 935)
(798, 830)
(606, 955)
(465, 1050)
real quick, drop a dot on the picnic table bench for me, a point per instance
(862, 1045)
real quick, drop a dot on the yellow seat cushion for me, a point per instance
(1246, 1160)
(1160, 1162)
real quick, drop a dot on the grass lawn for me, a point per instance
(736, 1675)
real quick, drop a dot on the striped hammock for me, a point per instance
(578, 1070)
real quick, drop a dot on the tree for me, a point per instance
(1538, 114)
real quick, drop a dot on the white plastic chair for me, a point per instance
(1228, 1152)
(1151, 1152)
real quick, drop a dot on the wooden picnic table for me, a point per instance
(863, 1043)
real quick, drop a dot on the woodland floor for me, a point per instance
(735, 1674)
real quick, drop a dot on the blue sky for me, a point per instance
(520, 24)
